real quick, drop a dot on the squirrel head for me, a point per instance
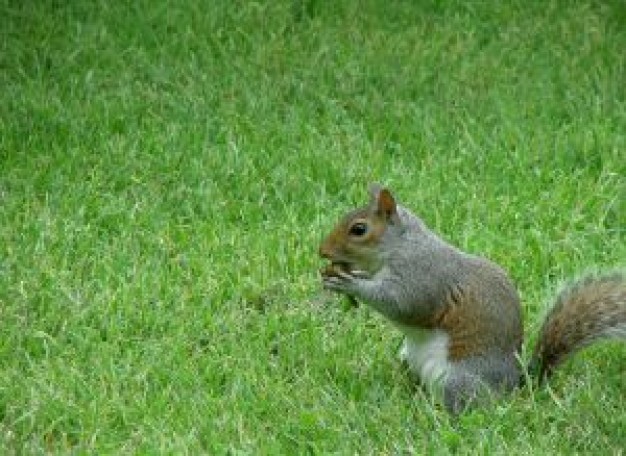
(354, 245)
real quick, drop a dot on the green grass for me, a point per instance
(167, 170)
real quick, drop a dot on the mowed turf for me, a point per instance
(167, 170)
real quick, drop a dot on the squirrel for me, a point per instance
(460, 313)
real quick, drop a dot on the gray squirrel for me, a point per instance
(460, 313)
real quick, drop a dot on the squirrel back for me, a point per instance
(460, 313)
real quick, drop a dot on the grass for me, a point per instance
(167, 172)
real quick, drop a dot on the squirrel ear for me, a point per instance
(384, 203)
(375, 189)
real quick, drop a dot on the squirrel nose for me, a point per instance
(324, 251)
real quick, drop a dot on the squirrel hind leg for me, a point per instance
(479, 380)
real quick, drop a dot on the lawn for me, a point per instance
(167, 170)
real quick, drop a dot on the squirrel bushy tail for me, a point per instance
(591, 309)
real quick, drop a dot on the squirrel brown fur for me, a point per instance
(460, 313)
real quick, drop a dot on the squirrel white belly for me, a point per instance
(425, 351)
(460, 313)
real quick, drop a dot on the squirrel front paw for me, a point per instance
(339, 281)
(341, 278)
(342, 281)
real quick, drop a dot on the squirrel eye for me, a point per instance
(358, 229)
